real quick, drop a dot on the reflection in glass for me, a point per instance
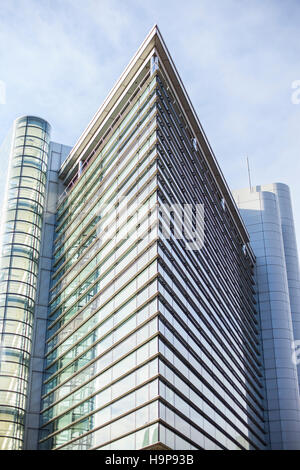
(26, 149)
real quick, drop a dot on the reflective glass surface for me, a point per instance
(21, 234)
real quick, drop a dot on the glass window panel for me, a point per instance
(36, 132)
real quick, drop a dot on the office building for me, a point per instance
(267, 212)
(129, 317)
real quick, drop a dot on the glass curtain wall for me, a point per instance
(211, 390)
(101, 357)
(149, 342)
(27, 153)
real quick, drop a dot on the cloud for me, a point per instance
(60, 58)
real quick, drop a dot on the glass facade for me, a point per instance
(101, 372)
(27, 151)
(210, 364)
(149, 344)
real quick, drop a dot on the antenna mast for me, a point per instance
(249, 174)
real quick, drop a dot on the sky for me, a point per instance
(238, 59)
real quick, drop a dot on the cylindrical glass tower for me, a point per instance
(27, 155)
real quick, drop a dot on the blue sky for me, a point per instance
(237, 58)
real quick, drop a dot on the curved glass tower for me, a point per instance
(27, 151)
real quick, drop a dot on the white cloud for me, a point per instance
(59, 59)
